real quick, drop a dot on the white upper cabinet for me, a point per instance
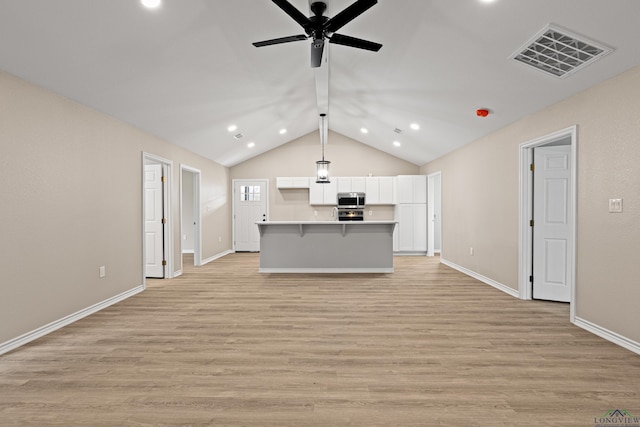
(358, 184)
(344, 184)
(412, 189)
(323, 194)
(372, 190)
(351, 184)
(379, 190)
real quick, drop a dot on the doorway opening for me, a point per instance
(434, 213)
(157, 260)
(547, 220)
(190, 216)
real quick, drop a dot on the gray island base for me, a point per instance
(326, 246)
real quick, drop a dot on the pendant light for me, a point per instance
(322, 166)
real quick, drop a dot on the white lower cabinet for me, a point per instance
(410, 235)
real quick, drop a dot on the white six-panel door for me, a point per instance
(250, 206)
(153, 226)
(551, 230)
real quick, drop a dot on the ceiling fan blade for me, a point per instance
(354, 42)
(294, 13)
(280, 40)
(348, 14)
(317, 47)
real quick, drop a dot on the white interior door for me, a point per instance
(250, 204)
(551, 227)
(153, 221)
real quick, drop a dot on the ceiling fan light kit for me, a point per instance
(320, 28)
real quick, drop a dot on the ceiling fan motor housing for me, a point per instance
(321, 28)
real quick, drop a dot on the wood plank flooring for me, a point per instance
(224, 345)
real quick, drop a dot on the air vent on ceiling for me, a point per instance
(238, 136)
(559, 52)
(397, 130)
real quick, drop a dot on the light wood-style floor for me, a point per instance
(226, 346)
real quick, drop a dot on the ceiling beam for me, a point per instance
(322, 91)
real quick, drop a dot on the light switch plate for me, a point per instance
(615, 205)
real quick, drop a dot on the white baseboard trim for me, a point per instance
(67, 320)
(608, 335)
(304, 270)
(215, 257)
(506, 289)
(177, 273)
(188, 251)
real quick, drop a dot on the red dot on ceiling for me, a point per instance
(482, 112)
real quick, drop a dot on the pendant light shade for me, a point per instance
(322, 171)
(322, 166)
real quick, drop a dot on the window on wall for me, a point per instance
(250, 193)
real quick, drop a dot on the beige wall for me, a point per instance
(70, 181)
(298, 158)
(480, 200)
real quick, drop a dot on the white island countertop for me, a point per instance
(326, 246)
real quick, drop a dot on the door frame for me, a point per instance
(235, 200)
(197, 235)
(432, 205)
(168, 241)
(525, 262)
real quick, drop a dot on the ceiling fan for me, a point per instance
(320, 28)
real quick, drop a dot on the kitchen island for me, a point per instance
(326, 246)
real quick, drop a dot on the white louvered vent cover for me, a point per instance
(559, 52)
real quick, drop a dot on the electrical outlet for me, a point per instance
(219, 238)
(615, 205)
(102, 271)
(370, 212)
(470, 251)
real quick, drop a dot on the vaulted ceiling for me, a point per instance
(188, 70)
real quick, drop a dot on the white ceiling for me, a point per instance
(187, 71)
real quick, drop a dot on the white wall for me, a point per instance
(480, 200)
(71, 201)
(188, 217)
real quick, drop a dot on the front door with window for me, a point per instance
(250, 201)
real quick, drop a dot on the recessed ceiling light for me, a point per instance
(251, 144)
(151, 4)
(231, 128)
(283, 131)
(487, 1)
(397, 143)
(364, 130)
(414, 126)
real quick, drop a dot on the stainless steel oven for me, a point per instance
(350, 215)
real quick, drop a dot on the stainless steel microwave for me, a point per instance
(351, 200)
